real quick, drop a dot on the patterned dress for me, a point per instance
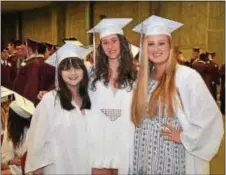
(153, 154)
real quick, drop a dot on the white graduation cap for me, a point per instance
(5, 92)
(22, 106)
(135, 50)
(109, 26)
(155, 25)
(67, 50)
(74, 42)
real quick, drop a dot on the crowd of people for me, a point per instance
(91, 110)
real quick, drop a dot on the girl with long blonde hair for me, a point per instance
(178, 124)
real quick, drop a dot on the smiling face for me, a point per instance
(111, 46)
(158, 48)
(72, 77)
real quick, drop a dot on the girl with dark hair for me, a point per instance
(60, 125)
(111, 90)
(15, 136)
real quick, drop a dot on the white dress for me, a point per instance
(9, 153)
(60, 140)
(118, 131)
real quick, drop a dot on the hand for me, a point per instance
(172, 133)
(15, 161)
(40, 94)
(38, 171)
(104, 171)
(6, 172)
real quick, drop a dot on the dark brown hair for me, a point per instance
(64, 93)
(127, 69)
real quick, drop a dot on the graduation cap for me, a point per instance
(135, 50)
(67, 50)
(5, 93)
(22, 106)
(74, 42)
(155, 25)
(196, 49)
(32, 43)
(108, 26)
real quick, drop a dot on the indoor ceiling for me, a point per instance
(13, 6)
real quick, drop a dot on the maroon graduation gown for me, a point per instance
(27, 80)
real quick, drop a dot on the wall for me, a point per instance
(133, 9)
(203, 22)
(36, 24)
(203, 26)
(9, 24)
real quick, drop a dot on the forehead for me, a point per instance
(20, 46)
(157, 37)
(109, 37)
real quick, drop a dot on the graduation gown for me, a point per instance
(117, 147)
(6, 68)
(46, 77)
(27, 80)
(201, 121)
(64, 139)
(222, 91)
(206, 70)
(13, 73)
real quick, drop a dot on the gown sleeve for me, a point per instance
(39, 152)
(203, 134)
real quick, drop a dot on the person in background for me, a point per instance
(222, 89)
(27, 80)
(16, 59)
(5, 69)
(195, 55)
(11, 48)
(14, 144)
(177, 131)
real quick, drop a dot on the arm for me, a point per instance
(32, 85)
(203, 134)
(39, 138)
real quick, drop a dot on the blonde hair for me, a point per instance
(165, 93)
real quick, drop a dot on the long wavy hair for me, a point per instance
(15, 127)
(163, 97)
(64, 93)
(127, 69)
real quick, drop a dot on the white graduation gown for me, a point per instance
(59, 140)
(201, 121)
(117, 139)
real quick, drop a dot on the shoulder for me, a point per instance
(185, 74)
(49, 96)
